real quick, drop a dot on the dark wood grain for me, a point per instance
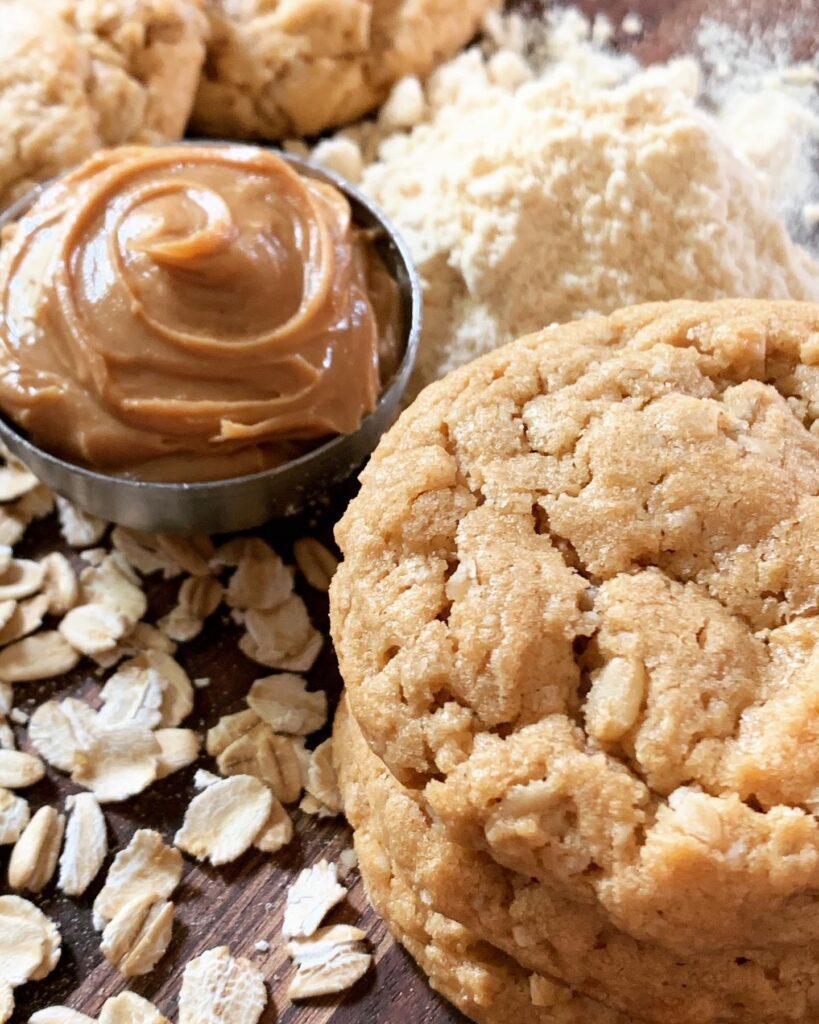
(242, 903)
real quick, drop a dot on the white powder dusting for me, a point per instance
(542, 178)
(767, 103)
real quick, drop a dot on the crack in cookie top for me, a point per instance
(578, 609)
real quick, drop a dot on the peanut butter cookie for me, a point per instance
(403, 853)
(295, 67)
(484, 983)
(77, 75)
(578, 609)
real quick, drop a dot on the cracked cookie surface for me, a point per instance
(412, 868)
(296, 67)
(79, 75)
(577, 612)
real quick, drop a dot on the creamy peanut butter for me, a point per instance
(191, 312)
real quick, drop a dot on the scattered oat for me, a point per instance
(25, 618)
(59, 1015)
(136, 938)
(59, 730)
(14, 816)
(261, 579)
(29, 942)
(18, 716)
(203, 778)
(178, 749)
(18, 770)
(12, 527)
(35, 853)
(86, 844)
(21, 579)
(277, 831)
(272, 759)
(218, 988)
(230, 554)
(79, 529)
(321, 778)
(310, 898)
(262, 946)
(177, 689)
(228, 729)
(121, 761)
(133, 694)
(199, 597)
(202, 683)
(284, 702)
(60, 584)
(192, 554)
(36, 504)
(143, 637)
(222, 821)
(331, 961)
(316, 562)
(129, 1008)
(7, 609)
(109, 584)
(15, 480)
(94, 556)
(282, 638)
(142, 551)
(94, 628)
(146, 868)
(6, 735)
(41, 656)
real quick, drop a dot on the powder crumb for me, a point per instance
(262, 946)
(800, 74)
(404, 107)
(342, 156)
(602, 31)
(767, 103)
(202, 683)
(508, 69)
(632, 24)
(589, 186)
(810, 214)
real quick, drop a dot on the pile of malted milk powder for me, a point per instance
(541, 176)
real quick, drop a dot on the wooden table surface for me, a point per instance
(241, 904)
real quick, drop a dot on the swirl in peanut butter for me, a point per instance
(189, 313)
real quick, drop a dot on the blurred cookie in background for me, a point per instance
(79, 75)
(296, 67)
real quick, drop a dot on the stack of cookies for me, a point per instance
(578, 620)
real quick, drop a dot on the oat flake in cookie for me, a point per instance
(581, 963)
(577, 611)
